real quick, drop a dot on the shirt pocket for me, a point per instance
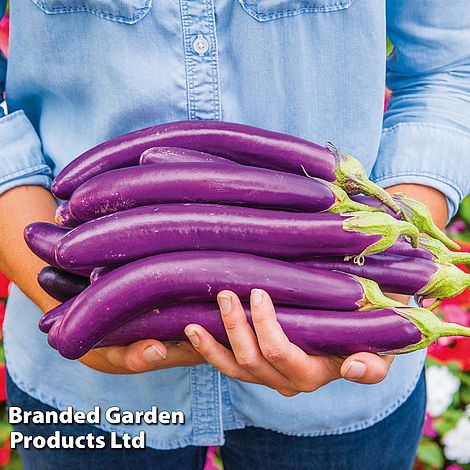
(122, 11)
(265, 10)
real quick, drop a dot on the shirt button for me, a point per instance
(200, 45)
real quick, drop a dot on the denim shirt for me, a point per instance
(83, 71)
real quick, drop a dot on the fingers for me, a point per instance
(141, 356)
(244, 343)
(366, 368)
(217, 354)
(306, 373)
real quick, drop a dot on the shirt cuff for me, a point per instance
(428, 154)
(21, 158)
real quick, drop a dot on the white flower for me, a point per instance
(441, 385)
(457, 441)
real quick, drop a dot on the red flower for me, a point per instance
(453, 349)
(4, 283)
(4, 31)
(2, 316)
(3, 387)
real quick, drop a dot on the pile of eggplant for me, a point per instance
(156, 222)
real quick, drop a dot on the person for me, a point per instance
(83, 71)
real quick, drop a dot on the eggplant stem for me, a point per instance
(441, 253)
(448, 281)
(418, 214)
(343, 203)
(429, 325)
(351, 176)
(380, 224)
(373, 297)
(435, 304)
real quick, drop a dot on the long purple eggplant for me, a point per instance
(389, 330)
(401, 274)
(125, 188)
(47, 320)
(61, 285)
(64, 218)
(240, 143)
(188, 276)
(42, 239)
(178, 155)
(412, 211)
(144, 231)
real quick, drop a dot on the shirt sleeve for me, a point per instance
(426, 129)
(21, 158)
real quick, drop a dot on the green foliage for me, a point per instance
(430, 454)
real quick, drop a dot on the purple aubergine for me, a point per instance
(144, 231)
(137, 287)
(42, 238)
(178, 155)
(64, 218)
(61, 285)
(401, 274)
(388, 330)
(237, 142)
(412, 211)
(125, 188)
(47, 320)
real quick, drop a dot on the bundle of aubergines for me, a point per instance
(155, 223)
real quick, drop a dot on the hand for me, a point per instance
(269, 358)
(141, 356)
(138, 357)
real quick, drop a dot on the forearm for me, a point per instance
(434, 200)
(19, 207)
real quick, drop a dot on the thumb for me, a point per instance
(366, 368)
(141, 356)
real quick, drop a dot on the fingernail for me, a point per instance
(153, 355)
(256, 297)
(225, 303)
(355, 370)
(193, 337)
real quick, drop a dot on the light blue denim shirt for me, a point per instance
(84, 71)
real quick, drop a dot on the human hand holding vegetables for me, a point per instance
(266, 356)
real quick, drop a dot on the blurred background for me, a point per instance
(445, 444)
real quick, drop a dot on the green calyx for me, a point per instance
(351, 176)
(447, 281)
(441, 253)
(343, 203)
(373, 298)
(430, 327)
(380, 224)
(418, 214)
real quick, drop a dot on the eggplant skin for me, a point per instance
(42, 237)
(47, 320)
(61, 285)
(317, 332)
(149, 230)
(64, 218)
(122, 189)
(137, 287)
(178, 155)
(238, 142)
(393, 273)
